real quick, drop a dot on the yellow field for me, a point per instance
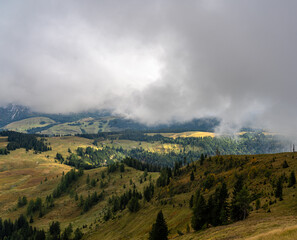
(151, 147)
(194, 134)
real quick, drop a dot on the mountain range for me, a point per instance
(23, 119)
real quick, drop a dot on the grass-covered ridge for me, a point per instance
(38, 175)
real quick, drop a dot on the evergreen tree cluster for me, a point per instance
(74, 161)
(19, 230)
(21, 140)
(148, 192)
(216, 211)
(177, 167)
(22, 201)
(164, 178)
(240, 200)
(248, 143)
(90, 201)
(66, 181)
(4, 151)
(96, 157)
(34, 206)
(279, 189)
(55, 233)
(59, 157)
(134, 163)
(128, 198)
(133, 204)
(112, 167)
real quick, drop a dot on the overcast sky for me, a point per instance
(154, 61)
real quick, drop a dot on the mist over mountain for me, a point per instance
(156, 62)
(13, 113)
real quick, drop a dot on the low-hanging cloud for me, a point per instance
(154, 61)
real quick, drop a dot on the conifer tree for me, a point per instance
(199, 217)
(159, 229)
(243, 203)
(279, 189)
(54, 230)
(292, 179)
(218, 206)
(192, 176)
(191, 202)
(285, 164)
(133, 204)
(235, 211)
(78, 234)
(202, 158)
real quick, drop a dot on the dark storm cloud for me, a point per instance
(154, 61)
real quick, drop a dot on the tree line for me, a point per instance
(20, 229)
(217, 211)
(21, 140)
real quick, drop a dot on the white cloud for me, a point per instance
(154, 61)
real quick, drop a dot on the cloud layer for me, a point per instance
(154, 61)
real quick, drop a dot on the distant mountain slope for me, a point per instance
(82, 126)
(29, 124)
(12, 113)
(20, 118)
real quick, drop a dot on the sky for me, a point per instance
(154, 61)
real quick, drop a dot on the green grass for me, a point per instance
(29, 123)
(21, 174)
(86, 125)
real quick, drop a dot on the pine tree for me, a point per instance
(199, 217)
(235, 211)
(242, 202)
(285, 164)
(192, 176)
(77, 234)
(54, 230)
(219, 208)
(279, 189)
(133, 204)
(292, 179)
(31, 219)
(159, 229)
(191, 202)
(202, 158)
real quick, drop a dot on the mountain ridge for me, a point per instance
(80, 123)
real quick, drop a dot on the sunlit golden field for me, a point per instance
(195, 134)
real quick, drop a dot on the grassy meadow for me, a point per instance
(195, 134)
(29, 123)
(84, 125)
(36, 175)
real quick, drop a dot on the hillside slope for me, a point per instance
(28, 124)
(37, 175)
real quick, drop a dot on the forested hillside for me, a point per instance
(208, 197)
